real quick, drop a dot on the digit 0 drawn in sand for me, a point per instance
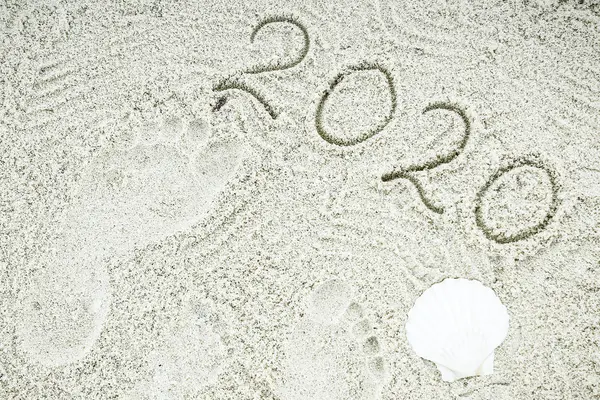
(330, 137)
(498, 227)
(280, 66)
(407, 173)
(234, 84)
(333, 351)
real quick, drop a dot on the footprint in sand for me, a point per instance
(189, 358)
(62, 309)
(168, 181)
(332, 352)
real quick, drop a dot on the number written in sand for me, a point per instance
(234, 83)
(407, 173)
(517, 183)
(281, 65)
(365, 133)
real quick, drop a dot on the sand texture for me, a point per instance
(243, 200)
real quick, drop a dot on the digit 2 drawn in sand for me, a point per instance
(406, 173)
(499, 234)
(280, 66)
(233, 83)
(330, 137)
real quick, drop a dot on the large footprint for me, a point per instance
(332, 352)
(167, 182)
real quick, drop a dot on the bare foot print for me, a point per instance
(332, 352)
(167, 182)
(63, 309)
(189, 358)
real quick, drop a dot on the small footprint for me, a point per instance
(333, 351)
(190, 357)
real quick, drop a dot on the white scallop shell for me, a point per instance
(458, 324)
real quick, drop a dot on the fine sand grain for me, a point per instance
(243, 200)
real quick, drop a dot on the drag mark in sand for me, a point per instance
(55, 86)
(362, 136)
(500, 182)
(470, 392)
(280, 66)
(52, 73)
(406, 173)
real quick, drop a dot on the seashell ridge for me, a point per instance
(457, 324)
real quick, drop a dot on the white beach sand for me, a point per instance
(242, 200)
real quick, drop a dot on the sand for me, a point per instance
(242, 200)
